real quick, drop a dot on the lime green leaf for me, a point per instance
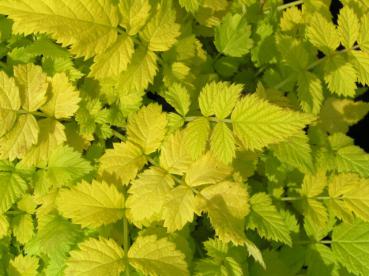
(12, 186)
(178, 208)
(314, 184)
(140, 72)
(134, 14)
(55, 237)
(337, 115)
(9, 102)
(114, 60)
(24, 265)
(69, 22)
(222, 143)
(27, 204)
(91, 205)
(196, 136)
(348, 26)
(258, 123)
(310, 92)
(96, 257)
(190, 5)
(51, 135)
(23, 229)
(147, 128)
(232, 36)
(153, 256)
(178, 97)
(227, 205)
(219, 98)
(161, 31)
(64, 99)
(363, 39)
(124, 161)
(349, 194)
(174, 155)
(207, 170)
(340, 76)
(266, 220)
(4, 226)
(65, 166)
(147, 195)
(32, 85)
(20, 138)
(349, 158)
(316, 218)
(360, 61)
(296, 152)
(350, 245)
(323, 34)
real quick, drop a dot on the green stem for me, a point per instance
(120, 136)
(289, 5)
(296, 198)
(291, 198)
(211, 119)
(326, 242)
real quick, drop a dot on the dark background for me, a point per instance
(360, 131)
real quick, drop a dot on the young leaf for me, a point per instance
(258, 123)
(310, 92)
(178, 97)
(219, 98)
(64, 99)
(9, 102)
(363, 39)
(206, 170)
(153, 256)
(147, 195)
(174, 155)
(222, 143)
(17, 142)
(23, 229)
(69, 22)
(232, 36)
(24, 265)
(196, 136)
(147, 128)
(4, 226)
(227, 205)
(349, 194)
(161, 31)
(55, 236)
(12, 187)
(266, 220)
(134, 14)
(32, 85)
(296, 152)
(115, 60)
(66, 166)
(140, 72)
(340, 76)
(124, 161)
(91, 205)
(96, 257)
(350, 245)
(348, 27)
(178, 208)
(360, 61)
(323, 34)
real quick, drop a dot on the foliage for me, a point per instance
(189, 137)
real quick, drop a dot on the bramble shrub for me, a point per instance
(189, 137)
